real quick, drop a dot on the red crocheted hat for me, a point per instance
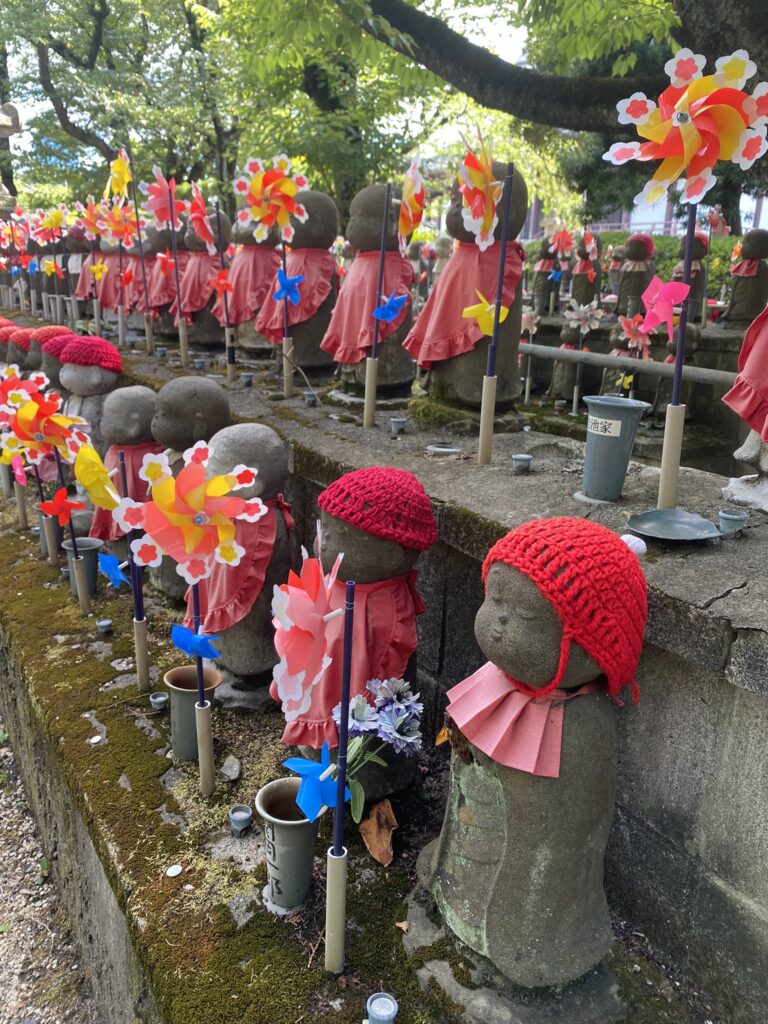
(49, 331)
(650, 248)
(388, 503)
(56, 345)
(594, 582)
(20, 337)
(6, 323)
(6, 332)
(92, 351)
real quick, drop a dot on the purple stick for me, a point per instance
(137, 578)
(677, 380)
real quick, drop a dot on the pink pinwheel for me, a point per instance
(19, 472)
(586, 318)
(61, 506)
(198, 215)
(529, 323)
(639, 339)
(301, 608)
(162, 202)
(659, 300)
(189, 518)
(166, 262)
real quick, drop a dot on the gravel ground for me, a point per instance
(42, 979)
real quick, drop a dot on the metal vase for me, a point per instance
(611, 428)
(88, 548)
(182, 686)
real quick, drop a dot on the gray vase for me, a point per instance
(88, 548)
(611, 428)
(290, 845)
(182, 685)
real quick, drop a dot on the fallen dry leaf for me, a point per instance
(442, 736)
(377, 830)
(402, 925)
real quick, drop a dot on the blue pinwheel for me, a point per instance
(32, 267)
(315, 792)
(15, 271)
(391, 308)
(109, 566)
(196, 644)
(289, 287)
(555, 275)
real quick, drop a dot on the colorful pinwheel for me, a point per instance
(119, 223)
(529, 322)
(48, 225)
(586, 318)
(196, 644)
(90, 215)
(412, 204)
(61, 506)
(92, 475)
(201, 225)
(51, 267)
(98, 269)
(561, 244)
(480, 193)
(125, 278)
(300, 608)
(289, 287)
(318, 787)
(189, 518)
(221, 283)
(161, 200)
(269, 197)
(109, 566)
(39, 430)
(483, 312)
(166, 263)
(700, 119)
(119, 176)
(390, 309)
(19, 472)
(15, 392)
(633, 332)
(659, 300)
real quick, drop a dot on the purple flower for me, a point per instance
(395, 693)
(400, 729)
(362, 717)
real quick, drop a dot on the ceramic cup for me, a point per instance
(247, 379)
(162, 352)
(104, 626)
(158, 700)
(521, 464)
(397, 424)
(240, 819)
(199, 364)
(310, 399)
(732, 521)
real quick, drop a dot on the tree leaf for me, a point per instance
(358, 800)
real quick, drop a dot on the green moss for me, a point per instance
(429, 415)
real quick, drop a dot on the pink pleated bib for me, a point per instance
(318, 268)
(103, 525)
(251, 275)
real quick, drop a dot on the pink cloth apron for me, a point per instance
(251, 275)
(195, 289)
(512, 728)
(108, 286)
(162, 286)
(440, 331)
(84, 289)
(104, 526)
(542, 266)
(350, 332)
(749, 395)
(149, 266)
(384, 638)
(318, 268)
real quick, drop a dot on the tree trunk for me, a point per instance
(6, 157)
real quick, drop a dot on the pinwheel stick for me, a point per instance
(371, 363)
(62, 483)
(674, 424)
(95, 286)
(336, 881)
(203, 714)
(147, 316)
(229, 341)
(198, 659)
(137, 582)
(121, 303)
(287, 339)
(58, 314)
(181, 323)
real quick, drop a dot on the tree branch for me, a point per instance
(579, 104)
(84, 135)
(99, 11)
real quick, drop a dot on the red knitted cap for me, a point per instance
(594, 582)
(21, 338)
(6, 323)
(388, 503)
(92, 351)
(55, 346)
(650, 248)
(6, 332)
(49, 331)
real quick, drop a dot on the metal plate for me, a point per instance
(673, 524)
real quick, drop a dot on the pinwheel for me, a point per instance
(699, 120)
(288, 287)
(18, 470)
(15, 392)
(161, 200)
(189, 518)
(561, 244)
(555, 274)
(480, 192)
(221, 283)
(51, 267)
(61, 507)
(92, 475)
(119, 176)
(198, 215)
(119, 224)
(586, 318)
(109, 566)
(483, 312)
(659, 300)
(391, 308)
(98, 269)
(89, 216)
(166, 262)
(300, 608)
(48, 225)
(412, 203)
(634, 332)
(125, 278)
(39, 429)
(318, 787)
(529, 322)
(269, 197)
(196, 644)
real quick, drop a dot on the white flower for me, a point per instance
(253, 510)
(530, 322)
(199, 452)
(155, 467)
(653, 192)
(751, 146)
(622, 153)
(146, 552)
(637, 109)
(194, 570)
(230, 553)
(253, 165)
(280, 609)
(756, 105)
(695, 188)
(129, 515)
(734, 70)
(684, 67)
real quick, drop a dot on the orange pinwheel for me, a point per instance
(198, 215)
(119, 224)
(166, 262)
(61, 506)
(221, 283)
(38, 428)
(412, 205)
(269, 197)
(561, 244)
(15, 392)
(480, 193)
(699, 120)
(90, 215)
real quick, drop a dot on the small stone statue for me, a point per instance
(51, 350)
(236, 601)
(636, 272)
(18, 348)
(517, 871)
(126, 425)
(350, 331)
(443, 248)
(189, 409)
(564, 374)
(310, 257)
(615, 261)
(454, 347)
(381, 519)
(749, 400)
(203, 264)
(251, 274)
(586, 270)
(543, 283)
(749, 288)
(419, 268)
(698, 292)
(90, 367)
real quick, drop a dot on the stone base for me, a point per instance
(487, 998)
(356, 402)
(751, 491)
(430, 414)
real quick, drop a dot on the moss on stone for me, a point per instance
(429, 414)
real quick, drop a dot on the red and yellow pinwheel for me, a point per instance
(38, 430)
(48, 225)
(92, 475)
(119, 223)
(51, 267)
(699, 120)
(90, 215)
(412, 205)
(269, 197)
(198, 215)
(480, 193)
(15, 392)
(161, 200)
(189, 518)
(221, 283)
(166, 262)
(119, 176)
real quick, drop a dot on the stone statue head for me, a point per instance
(700, 246)
(242, 234)
(126, 418)
(639, 247)
(518, 209)
(90, 366)
(754, 245)
(75, 240)
(692, 341)
(443, 247)
(365, 216)
(569, 335)
(321, 227)
(254, 445)
(618, 339)
(189, 409)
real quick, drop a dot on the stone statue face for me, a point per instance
(254, 445)
(443, 247)
(569, 335)
(635, 250)
(365, 216)
(617, 341)
(127, 415)
(51, 368)
(367, 559)
(86, 380)
(518, 630)
(322, 224)
(518, 208)
(189, 409)
(754, 245)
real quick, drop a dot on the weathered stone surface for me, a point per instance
(230, 770)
